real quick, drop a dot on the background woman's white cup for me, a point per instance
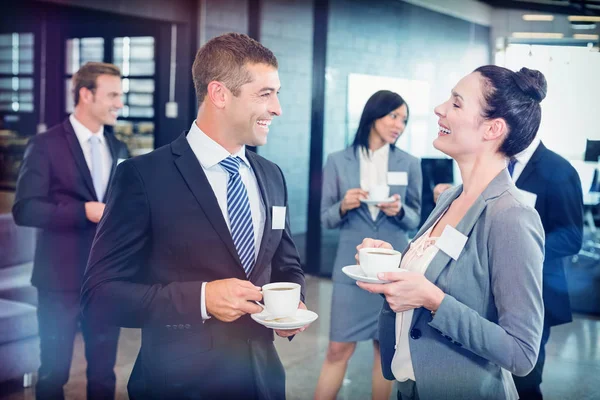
(379, 192)
(281, 299)
(375, 260)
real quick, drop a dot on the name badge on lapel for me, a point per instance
(397, 178)
(451, 242)
(528, 198)
(120, 160)
(278, 220)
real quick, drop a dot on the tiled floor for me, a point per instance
(572, 367)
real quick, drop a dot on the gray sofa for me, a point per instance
(19, 341)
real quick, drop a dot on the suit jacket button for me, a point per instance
(187, 326)
(415, 333)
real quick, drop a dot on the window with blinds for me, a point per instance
(16, 72)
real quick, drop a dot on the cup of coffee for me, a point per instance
(375, 260)
(379, 192)
(281, 299)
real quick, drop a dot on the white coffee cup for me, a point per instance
(379, 192)
(281, 299)
(375, 260)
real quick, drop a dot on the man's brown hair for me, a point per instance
(88, 74)
(223, 59)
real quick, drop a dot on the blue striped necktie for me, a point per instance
(240, 216)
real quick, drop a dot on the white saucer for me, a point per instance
(355, 272)
(302, 318)
(375, 202)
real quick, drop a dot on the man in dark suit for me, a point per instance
(191, 232)
(553, 187)
(62, 184)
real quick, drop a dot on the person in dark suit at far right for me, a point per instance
(555, 191)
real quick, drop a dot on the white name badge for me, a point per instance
(120, 160)
(397, 178)
(528, 198)
(451, 242)
(278, 221)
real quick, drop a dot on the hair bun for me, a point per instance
(532, 82)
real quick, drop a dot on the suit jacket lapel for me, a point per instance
(530, 167)
(394, 165)
(465, 226)
(264, 192)
(353, 178)
(496, 187)
(112, 146)
(77, 152)
(194, 176)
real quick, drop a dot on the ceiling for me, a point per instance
(571, 7)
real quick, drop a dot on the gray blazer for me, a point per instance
(490, 321)
(342, 172)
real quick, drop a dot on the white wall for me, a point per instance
(570, 109)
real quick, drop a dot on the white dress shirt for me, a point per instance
(417, 259)
(83, 136)
(524, 157)
(373, 171)
(209, 154)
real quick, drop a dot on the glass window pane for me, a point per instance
(25, 53)
(26, 97)
(92, 53)
(16, 53)
(6, 53)
(136, 99)
(26, 39)
(24, 107)
(138, 85)
(16, 84)
(25, 83)
(5, 67)
(134, 55)
(136, 67)
(6, 40)
(138, 112)
(23, 68)
(82, 50)
(5, 83)
(69, 102)
(142, 53)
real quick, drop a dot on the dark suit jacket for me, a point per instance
(560, 205)
(162, 235)
(53, 186)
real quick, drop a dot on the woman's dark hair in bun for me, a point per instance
(514, 97)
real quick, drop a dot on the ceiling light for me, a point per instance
(538, 17)
(585, 36)
(537, 35)
(583, 18)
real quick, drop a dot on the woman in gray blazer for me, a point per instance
(373, 160)
(469, 311)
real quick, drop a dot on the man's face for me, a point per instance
(251, 112)
(106, 100)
